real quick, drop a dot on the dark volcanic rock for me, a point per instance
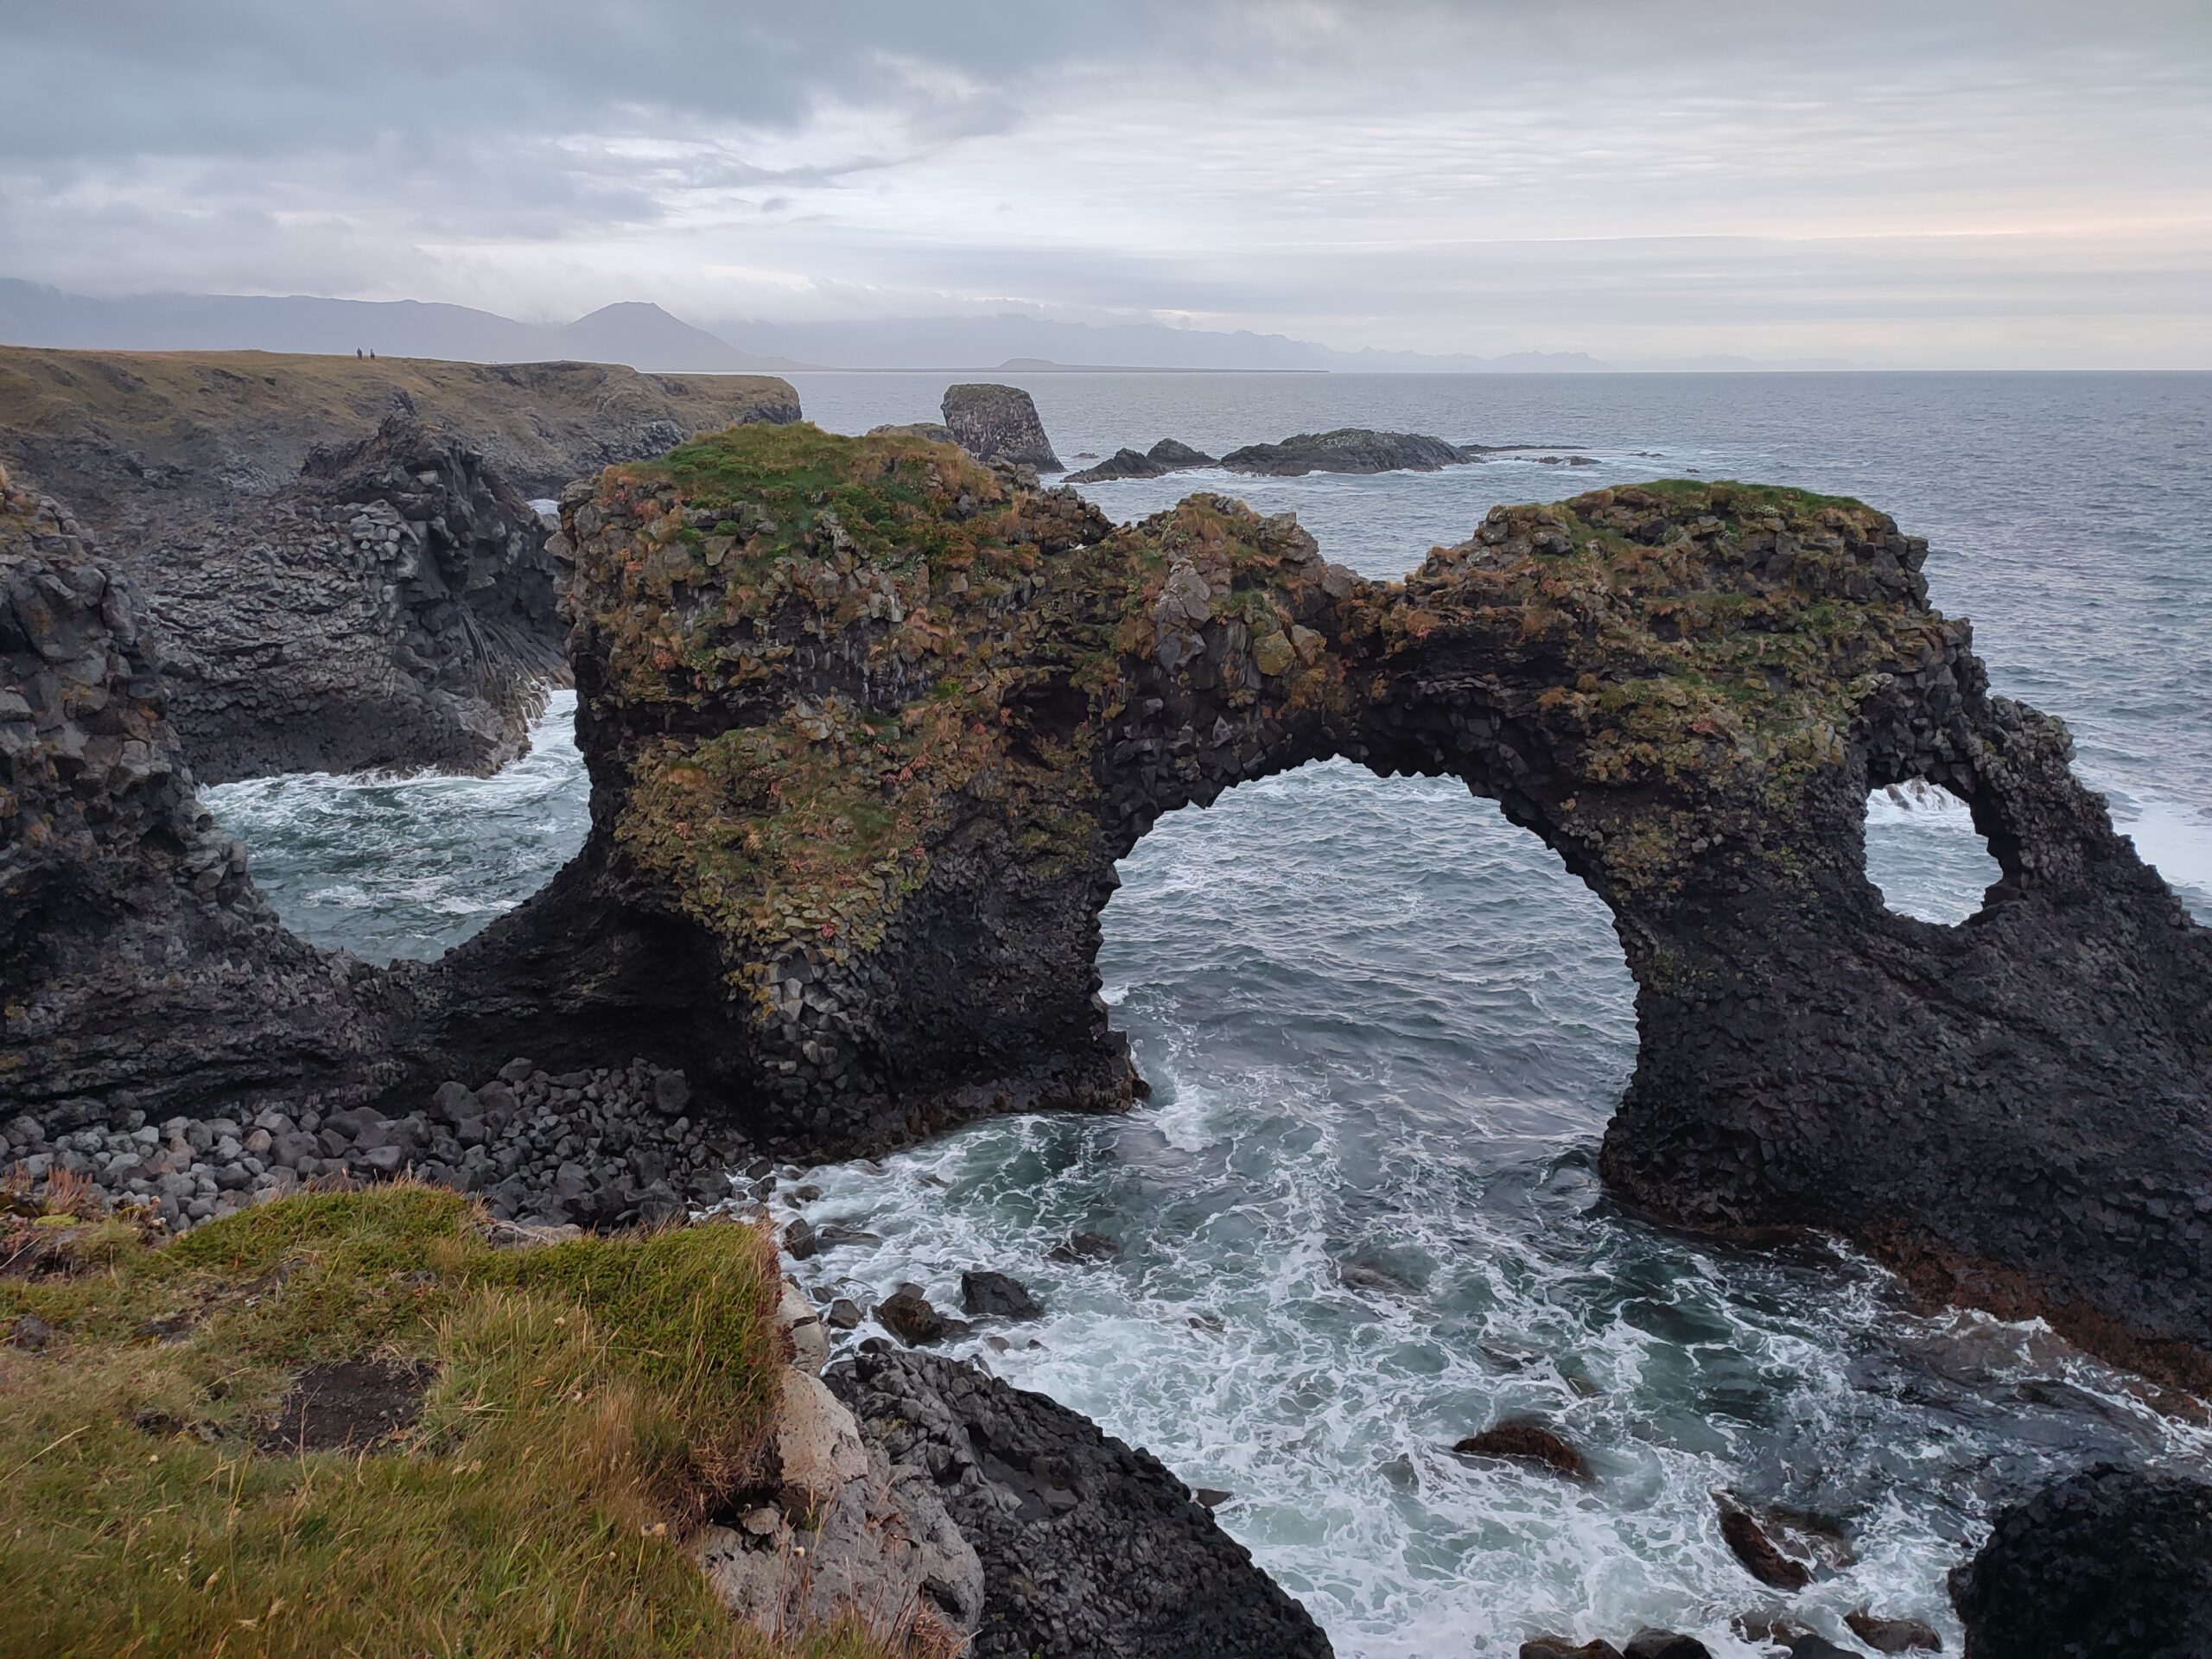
(910, 1316)
(1347, 449)
(1559, 1647)
(1122, 463)
(1762, 1557)
(1893, 1635)
(1089, 1550)
(393, 608)
(997, 1296)
(1526, 1442)
(2111, 1564)
(1665, 1644)
(1176, 456)
(995, 423)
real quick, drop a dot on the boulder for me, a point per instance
(995, 1295)
(1533, 1443)
(1893, 1635)
(2111, 1563)
(993, 423)
(1751, 1543)
(1665, 1644)
(1560, 1647)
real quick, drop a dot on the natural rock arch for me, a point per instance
(869, 725)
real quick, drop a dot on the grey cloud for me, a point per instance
(1397, 171)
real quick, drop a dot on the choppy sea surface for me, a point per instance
(1358, 1217)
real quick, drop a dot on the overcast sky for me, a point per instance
(1999, 182)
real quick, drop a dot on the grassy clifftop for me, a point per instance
(351, 1424)
(224, 416)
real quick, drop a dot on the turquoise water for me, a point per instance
(1384, 1029)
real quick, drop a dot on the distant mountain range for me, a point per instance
(645, 336)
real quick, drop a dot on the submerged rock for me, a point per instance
(1347, 449)
(993, 423)
(2111, 1563)
(1665, 1644)
(1893, 1635)
(1560, 1647)
(1526, 1442)
(1750, 1544)
(1089, 1550)
(908, 1315)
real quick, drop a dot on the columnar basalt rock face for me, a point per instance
(393, 608)
(869, 724)
(2111, 1563)
(138, 968)
(388, 604)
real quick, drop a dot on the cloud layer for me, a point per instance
(1998, 182)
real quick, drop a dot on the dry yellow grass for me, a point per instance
(65, 416)
(588, 1401)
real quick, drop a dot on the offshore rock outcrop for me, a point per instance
(393, 607)
(1089, 1550)
(870, 724)
(139, 970)
(1122, 463)
(1347, 449)
(994, 424)
(2111, 1563)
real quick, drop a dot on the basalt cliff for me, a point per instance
(869, 723)
(339, 556)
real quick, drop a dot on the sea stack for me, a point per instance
(993, 423)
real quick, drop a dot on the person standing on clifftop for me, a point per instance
(357, 353)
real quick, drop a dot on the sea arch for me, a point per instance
(870, 724)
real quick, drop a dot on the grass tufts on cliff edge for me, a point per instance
(582, 1404)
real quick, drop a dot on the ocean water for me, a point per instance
(1359, 1217)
